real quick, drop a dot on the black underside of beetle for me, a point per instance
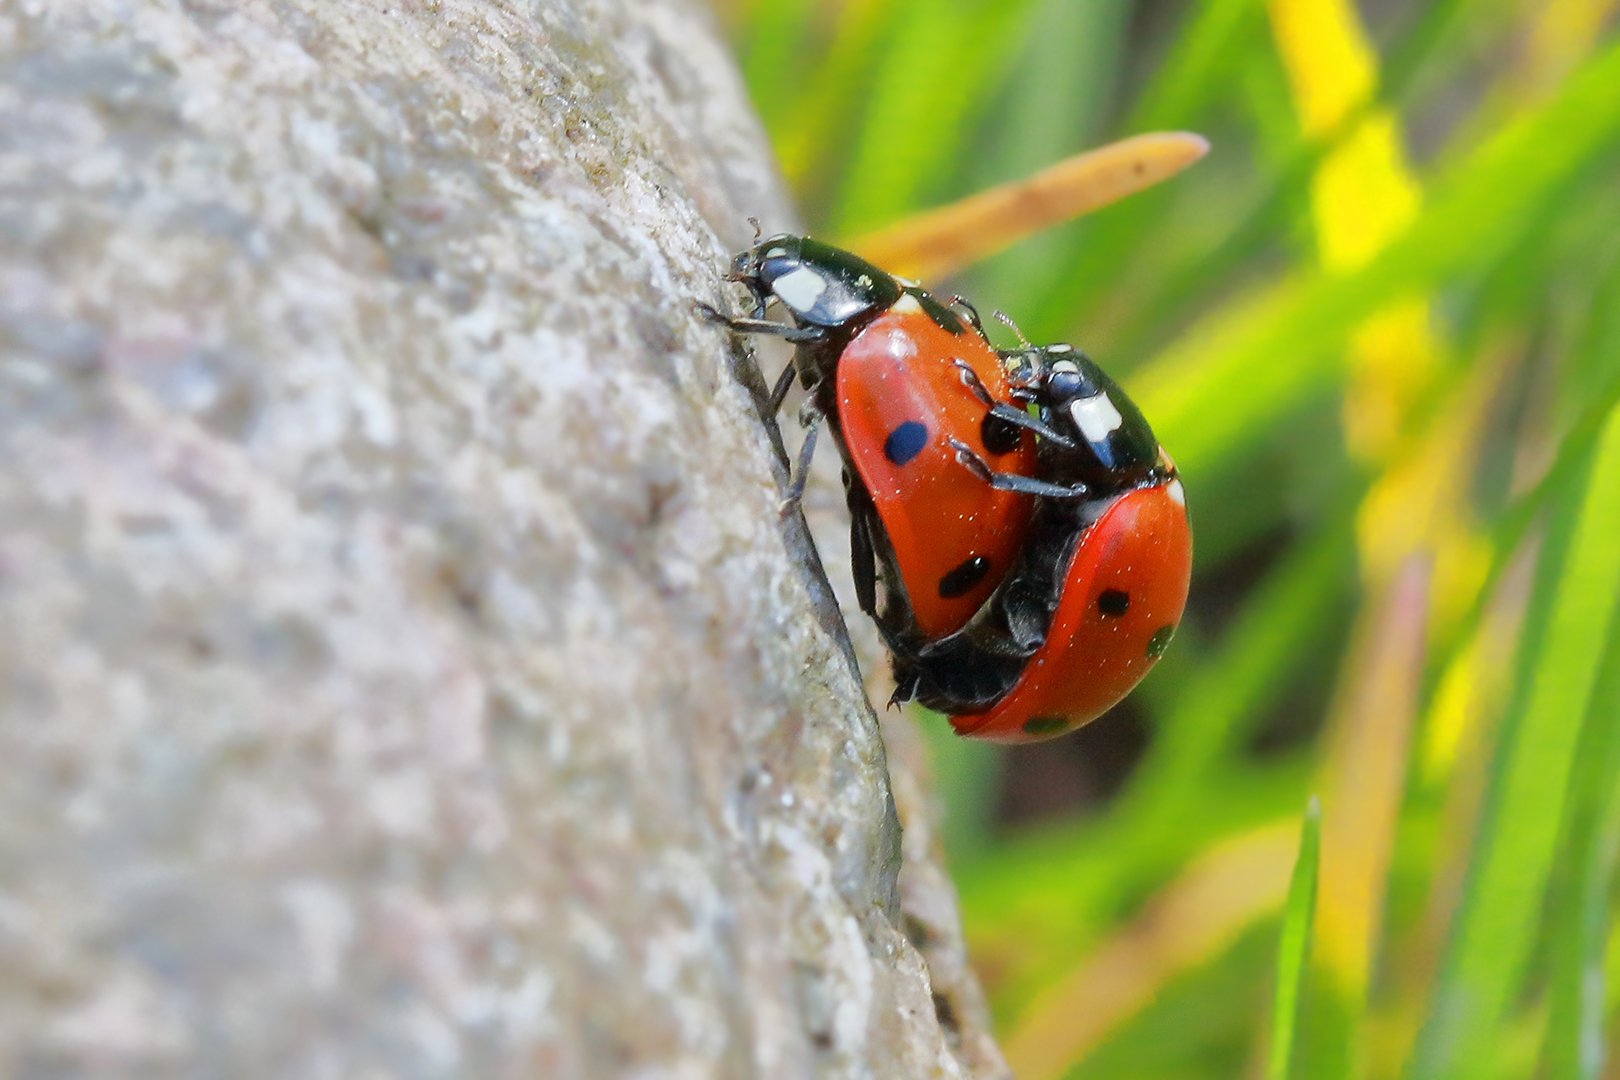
(971, 670)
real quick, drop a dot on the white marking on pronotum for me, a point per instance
(1065, 367)
(1177, 496)
(799, 288)
(1059, 348)
(906, 305)
(1096, 416)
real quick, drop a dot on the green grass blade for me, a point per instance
(774, 59)
(1575, 1032)
(1497, 926)
(812, 132)
(943, 63)
(1287, 616)
(1281, 350)
(1200, 63)
(1293, 951)
(1057, 99)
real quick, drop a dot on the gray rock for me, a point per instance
(403, 669)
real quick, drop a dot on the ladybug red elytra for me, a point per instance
(1121, 598)
(911, 391)
(1100, 584)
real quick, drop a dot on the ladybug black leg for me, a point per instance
(972, 313)
(905, 686)
(970, 379)
(1012, 481)
(1014, 415)
(810, 417)
(1010, 413)
(863, 561)
(760, 326)
(784, 383)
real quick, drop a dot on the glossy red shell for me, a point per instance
(1140, 547)
(939, 516)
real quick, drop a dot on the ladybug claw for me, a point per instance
(970, 379)
(973, 312)
(810, 417)
(971, 461)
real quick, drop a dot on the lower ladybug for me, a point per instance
(1100, 583)
(911, 390)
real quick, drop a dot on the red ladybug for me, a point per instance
(911, 391)
(1100, 584)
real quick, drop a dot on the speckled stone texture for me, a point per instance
(403, 669)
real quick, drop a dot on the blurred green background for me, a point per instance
(1379, 330)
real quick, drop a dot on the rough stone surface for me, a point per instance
(403, 669)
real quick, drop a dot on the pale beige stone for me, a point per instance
(403, 670)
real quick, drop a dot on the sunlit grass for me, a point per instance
(1379, 330)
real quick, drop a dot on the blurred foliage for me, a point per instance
(1379, 330)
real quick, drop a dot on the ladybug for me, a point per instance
(911, 392)
(1100, 583)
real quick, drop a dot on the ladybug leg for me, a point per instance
(972, 313)
(905, 687)
(810, 417)
(1014, 415)
(1010, 413)
(970, 379)
(795, 334)
(784, 383)
(1025, 485)
(863, 561)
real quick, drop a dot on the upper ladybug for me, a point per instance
(907, 387)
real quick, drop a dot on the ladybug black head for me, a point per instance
(1113, 444)
(766, 260)
(820, 284)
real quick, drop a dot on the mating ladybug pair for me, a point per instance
(1029, 535)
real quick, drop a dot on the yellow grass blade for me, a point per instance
(1192, 921)
(1365, 778)
(1560, 38)
(938, 242)
(1362, 196)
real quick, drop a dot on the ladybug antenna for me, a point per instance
(754, 221)
(1006, 320)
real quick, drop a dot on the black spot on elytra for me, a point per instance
(905, 442)
(1160, 641)
(1044, 725)
(959, 581)
(1000, 436)
(1114, 603)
